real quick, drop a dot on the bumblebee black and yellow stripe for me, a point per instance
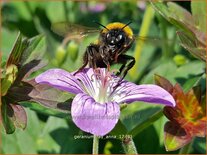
(118, 25)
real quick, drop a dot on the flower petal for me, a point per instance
(95, 118)
(128, 92)
(60, 79)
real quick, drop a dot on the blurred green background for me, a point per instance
(57, 134)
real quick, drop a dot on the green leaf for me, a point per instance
(66, 134)
(200, 145)
(17, 51)
(199, 14)
(146, 123)
(193, 46)
(190, 83)
(176, 74)
(6, 114)
(23, 142)
(181, 18)
(36, 47)
(137, 114)
(119, 129)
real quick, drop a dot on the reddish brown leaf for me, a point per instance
(19, 116)
(164, 83)
(175, 136)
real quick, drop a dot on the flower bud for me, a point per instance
(180, 59)
(72, 50)
(60, 55)
(8, 80)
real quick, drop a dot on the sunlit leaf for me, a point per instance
(193, 46)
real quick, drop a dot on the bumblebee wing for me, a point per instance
(151, 40)
(70, 30)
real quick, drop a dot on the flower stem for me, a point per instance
(128, 145)
(147, 20)
(95, 144)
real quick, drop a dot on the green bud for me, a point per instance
(72, 50)
(123, 106)
(8, 80)
(180, 59)
(60, 55)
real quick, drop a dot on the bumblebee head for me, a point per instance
(116, 34)
(115, 37)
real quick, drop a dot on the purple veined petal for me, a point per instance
(129, 92)
(60, 79)
(85, 76)
(95, 118)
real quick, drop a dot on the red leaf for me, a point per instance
(175, 136)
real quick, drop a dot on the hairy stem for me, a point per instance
(95, 144)
(128, 145)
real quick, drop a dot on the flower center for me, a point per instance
(103, 84)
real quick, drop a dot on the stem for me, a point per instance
(187, 148)
(66, 11)
(147, 19)
(128, 145)
(163, 28)
(95, 144)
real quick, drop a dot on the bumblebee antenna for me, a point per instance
(126, 25)
(101, 25)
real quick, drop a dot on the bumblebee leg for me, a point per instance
(105, 56)
(87, 59)
(127, 63)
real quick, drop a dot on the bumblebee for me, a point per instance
(113, 42)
